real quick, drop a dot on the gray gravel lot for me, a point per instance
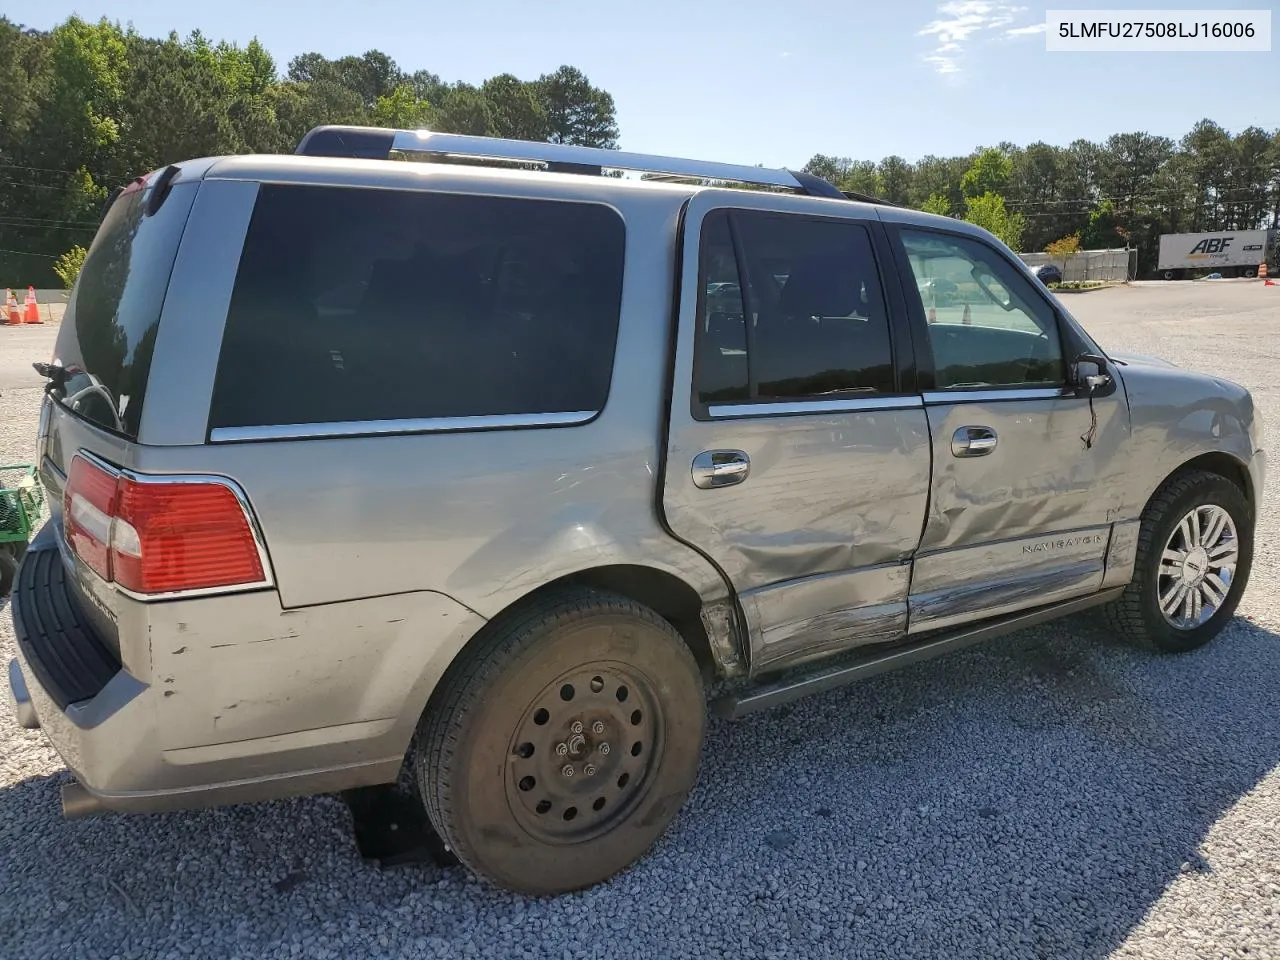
(1053, 794)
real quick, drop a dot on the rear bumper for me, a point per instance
(327, 701)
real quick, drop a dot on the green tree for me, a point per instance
(464, 109)
(832, 169)
(402, 109)
(894, 176)
(937, 204)
(861, 178)
(576, 111)
(67, 266)
(989, 173)
(1103, 230)
(988, 211)
(514, 108)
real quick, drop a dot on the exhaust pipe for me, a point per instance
(78, 803)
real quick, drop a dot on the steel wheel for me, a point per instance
(1197, 567)
(580, 758)
(563, 742)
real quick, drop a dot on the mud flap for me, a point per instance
(392, 829)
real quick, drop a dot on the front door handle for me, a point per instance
(720, 468)
(973, 442)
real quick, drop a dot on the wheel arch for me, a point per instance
(1223, 465)
(671, 597)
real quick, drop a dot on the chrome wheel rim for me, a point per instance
(1197, 567)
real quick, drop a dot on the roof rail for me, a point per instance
(868, 198)
(374, 143)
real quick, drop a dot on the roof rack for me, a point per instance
(374, 143)
(868, 198)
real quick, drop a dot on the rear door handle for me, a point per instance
(720, 468)
(973, 442)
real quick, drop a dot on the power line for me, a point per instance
(18, 166)
(35, 220)
(33, 186)
(36, 228)
(25, 253)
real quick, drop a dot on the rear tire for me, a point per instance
(1195, 550)
(582, 681)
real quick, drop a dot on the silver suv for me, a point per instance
(497, 465)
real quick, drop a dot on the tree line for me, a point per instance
(1123, 192)
(86, 107)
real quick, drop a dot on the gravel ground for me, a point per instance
(1053, 794)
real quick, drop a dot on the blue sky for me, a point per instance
(773, 83)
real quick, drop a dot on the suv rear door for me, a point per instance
(798, 456)
(1026, 482)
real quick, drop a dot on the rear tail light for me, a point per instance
(160, 536)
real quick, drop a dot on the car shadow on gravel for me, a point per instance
(1031, 798)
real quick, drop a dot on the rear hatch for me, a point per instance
(102, 358)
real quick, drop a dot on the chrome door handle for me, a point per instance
(973, 442)
(720, 468)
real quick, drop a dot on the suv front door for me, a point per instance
(1027, 474)
(798, 454)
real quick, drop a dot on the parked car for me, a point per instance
(1048, 273)
(460, 472)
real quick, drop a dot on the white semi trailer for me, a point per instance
(1233, 253)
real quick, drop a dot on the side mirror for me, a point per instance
(1091, 376)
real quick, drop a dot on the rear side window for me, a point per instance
(791, 310)
(357, 305)
(109, 330)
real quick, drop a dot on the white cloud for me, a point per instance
(960, 22)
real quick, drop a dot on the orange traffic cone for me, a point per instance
(967, 320)
(1262, 271)
(32, 309)
(11, 312)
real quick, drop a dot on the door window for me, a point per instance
(987, 327)
(791, 308)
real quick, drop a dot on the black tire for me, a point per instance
(1136, 615)
(487, 763)
(11, 555)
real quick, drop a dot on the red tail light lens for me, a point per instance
(162, 536)
(88, 504)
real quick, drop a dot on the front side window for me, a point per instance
(367, 305)
(987, 327)
(791, 308)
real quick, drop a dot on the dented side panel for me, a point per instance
(1029, 522)
(973, 583)
(236, 669)
(800, 620)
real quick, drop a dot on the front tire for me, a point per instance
(563, 745)
(1195, 550)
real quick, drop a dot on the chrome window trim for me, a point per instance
(987, 396)
(366, 428)
(725, 411)
(268, 581)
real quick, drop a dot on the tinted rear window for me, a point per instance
(109, 330)
(368, 305)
